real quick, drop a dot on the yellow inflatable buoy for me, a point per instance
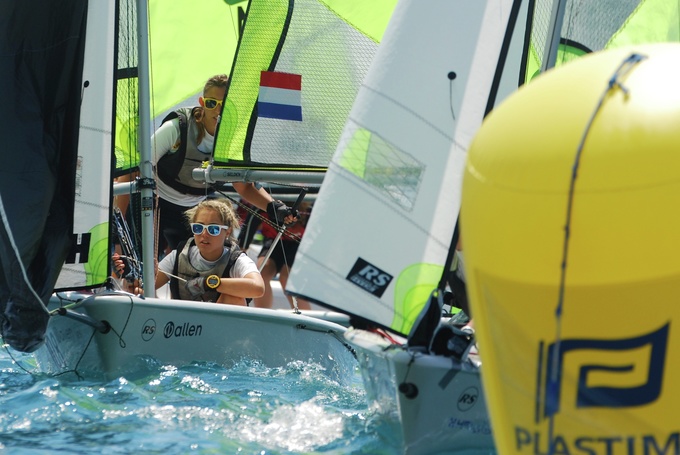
(571, 230)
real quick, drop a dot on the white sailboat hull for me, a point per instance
(446, 412)
(180, 332)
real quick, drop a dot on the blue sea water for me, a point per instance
(201, 408)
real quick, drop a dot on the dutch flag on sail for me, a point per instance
(280, 96)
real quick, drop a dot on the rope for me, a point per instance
(256, 213)
(551, 407)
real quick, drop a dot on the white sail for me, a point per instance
(384, 219)
(87, 262)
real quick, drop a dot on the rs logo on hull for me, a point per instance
(148, 329)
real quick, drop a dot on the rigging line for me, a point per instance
(121, 341)
(173, 276)
(66, 307)
(614, 82)
(156, 225)
(256, 213)
(127, 247)
(151, 67)
(332, 333)
(408, 388)
(236, 28)
(127, 53)
(14, 360)
(5, 222)
(275, 243)
(130, 258)
(73, 370)
(82, 354)
(342, 341)
(281, 229)
(571, 13)
(117, 288)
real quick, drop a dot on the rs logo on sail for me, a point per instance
(369, 277)
(614, 396)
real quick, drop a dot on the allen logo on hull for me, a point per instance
(183, 330)
(369, 277)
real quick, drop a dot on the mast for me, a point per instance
(554, 33)
(145, 169)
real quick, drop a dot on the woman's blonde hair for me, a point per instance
(223, 208)
(220, 81)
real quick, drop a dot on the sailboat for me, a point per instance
(389, 277)
(393, 192)
(56, 241)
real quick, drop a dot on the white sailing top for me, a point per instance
(242, 267)
(166, 140)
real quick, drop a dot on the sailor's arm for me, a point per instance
(250, 286)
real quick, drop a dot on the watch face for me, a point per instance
(212, 281)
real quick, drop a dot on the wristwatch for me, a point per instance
(213, 281)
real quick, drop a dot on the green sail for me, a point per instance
(182, 58)
(328, 45)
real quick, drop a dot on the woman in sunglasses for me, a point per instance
(183, 141)
(210, 266)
